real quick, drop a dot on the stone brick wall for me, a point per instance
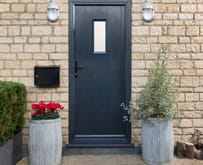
(27, 39)
(178, 23)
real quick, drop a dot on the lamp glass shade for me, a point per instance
(53, 14)
(148, 14)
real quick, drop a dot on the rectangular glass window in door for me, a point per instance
(99, 30)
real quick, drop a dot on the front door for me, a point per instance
(99, 75)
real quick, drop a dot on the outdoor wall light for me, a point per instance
(52, 12)
(147, 11)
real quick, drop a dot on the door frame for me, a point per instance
(127, 62)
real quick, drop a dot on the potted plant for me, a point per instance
(155, 107)
(45, 137)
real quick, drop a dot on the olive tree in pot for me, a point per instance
(45, 135)
(155, 106)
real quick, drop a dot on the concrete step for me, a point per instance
(101, 151)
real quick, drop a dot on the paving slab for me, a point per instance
(112, 160)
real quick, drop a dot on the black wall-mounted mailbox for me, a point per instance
(46, 76)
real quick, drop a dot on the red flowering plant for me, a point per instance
(44, 111)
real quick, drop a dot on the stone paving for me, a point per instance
(112, 160)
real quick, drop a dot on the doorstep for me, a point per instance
(101, 151)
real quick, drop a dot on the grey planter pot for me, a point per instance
(157, 141)
(11, 152)
(6, 152)
(45, 142)
(17, 147)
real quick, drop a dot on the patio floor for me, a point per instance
(112, 160)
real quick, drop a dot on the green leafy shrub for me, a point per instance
(159, 94)
(12, 109)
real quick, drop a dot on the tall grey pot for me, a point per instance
(45, 142)
(157, 141)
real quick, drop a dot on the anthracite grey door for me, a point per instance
(99, 75)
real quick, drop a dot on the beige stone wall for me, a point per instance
(178, 23)
(27, 39)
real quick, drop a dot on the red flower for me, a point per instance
(35, 106)
(34, 114)
(42, 111)
(50, 106)
(42, 105)
(54, 106)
